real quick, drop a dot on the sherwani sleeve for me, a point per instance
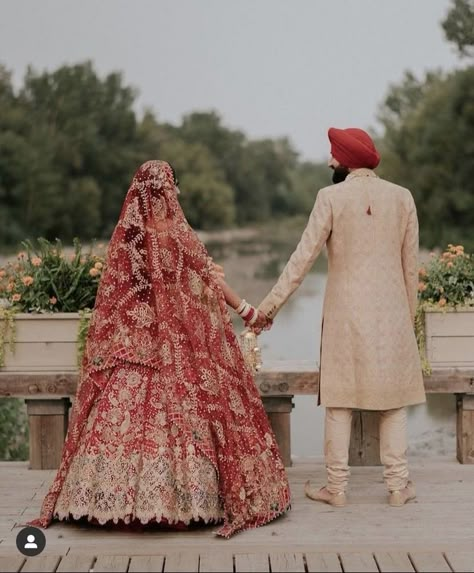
(312, 241)
(410, 259)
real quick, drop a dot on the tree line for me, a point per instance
(70, 142)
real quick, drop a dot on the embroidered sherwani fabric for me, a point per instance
(369, 355)
(167, 425)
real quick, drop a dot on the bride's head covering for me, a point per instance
(158, 291)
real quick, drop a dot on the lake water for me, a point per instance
(295, 335)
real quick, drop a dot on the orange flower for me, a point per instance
(450, 264)
(21, 255)
(53, 300)
(98, 265)
(16, 297)
(421, 287)
(36, 261)
(27, 281)
(442, 302)
(422, 272)
(2, 274)
(94, 272)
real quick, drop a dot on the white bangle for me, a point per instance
(241, 306)
(244, 310)
(253, 320)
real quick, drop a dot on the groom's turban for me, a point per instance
(353, 148)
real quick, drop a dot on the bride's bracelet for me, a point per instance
(247, 312)
(241, 306)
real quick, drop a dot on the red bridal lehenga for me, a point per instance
(167, 425)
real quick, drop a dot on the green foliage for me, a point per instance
(14, 430)
(206, 197)
(70, 142)
(421, 339)
(428, 147)
(448, 279)
(459, 26)
(45, 279)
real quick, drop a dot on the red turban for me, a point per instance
(353, 148)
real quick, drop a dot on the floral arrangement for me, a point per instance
(45, 279)
(448, 279)
(446, 282)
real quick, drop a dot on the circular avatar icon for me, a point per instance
(30, 541)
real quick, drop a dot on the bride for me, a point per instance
(167, 425)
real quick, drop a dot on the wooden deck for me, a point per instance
(433, 533)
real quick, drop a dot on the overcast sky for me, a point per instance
(269, 67)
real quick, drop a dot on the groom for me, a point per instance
(369, 357)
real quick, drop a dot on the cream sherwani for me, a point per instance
(369, 355)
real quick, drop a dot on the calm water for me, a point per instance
(295, 335)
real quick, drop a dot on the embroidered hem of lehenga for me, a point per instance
(162, 520)
(229, 529)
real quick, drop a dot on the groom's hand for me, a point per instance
(262, 323)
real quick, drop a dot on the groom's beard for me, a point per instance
(340, 174)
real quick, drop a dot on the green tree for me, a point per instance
(429, 148)
(459, 26)
(14, 430)
(206, 198)
(428, 144)
(92, 126)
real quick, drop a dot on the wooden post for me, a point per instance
(465, 428)
(278, 409)
(48, 421)
(364, 449)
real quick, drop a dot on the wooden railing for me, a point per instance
(48, 396)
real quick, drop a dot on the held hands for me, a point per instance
(253, 318)
(261, 323)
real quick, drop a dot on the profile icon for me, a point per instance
(30, 541)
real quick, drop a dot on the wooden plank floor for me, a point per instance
(434, 533)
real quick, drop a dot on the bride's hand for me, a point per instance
(262, 323)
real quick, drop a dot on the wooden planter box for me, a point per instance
(450, 338)
(44, 343)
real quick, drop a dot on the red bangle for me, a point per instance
(249, 314)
